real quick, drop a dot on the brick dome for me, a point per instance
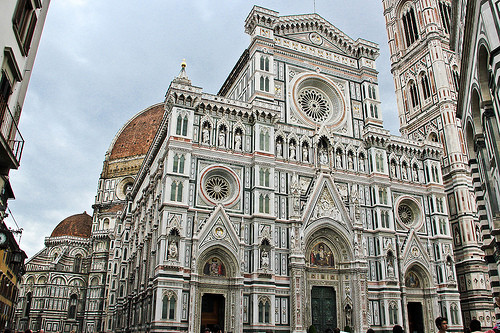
(79, 225)
(137, 134)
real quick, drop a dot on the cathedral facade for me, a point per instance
(277, 204)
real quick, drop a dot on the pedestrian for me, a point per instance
(442, 324)
(370, 330)
(475, 326)
(397, 329)
(328, 330)
(28, 331)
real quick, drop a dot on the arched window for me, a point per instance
(266, 84)
(262, 63)
(425, 86)
(264, 203)
(264, 311)
(77, 264)
(264, 140)
(27, 308)
(456, 79)
(415, 100)
(105, 224)
(73, 301)
(168, 307)
(262, 83)
(264, 177)
(176, 191)
(178, 163)
(445, 12)
(182, 124)
(410, 26)
(393, 314)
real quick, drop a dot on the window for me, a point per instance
(456, 79)
(73, 301)
(264, 63)
(410, 26)
(77, 264)
(182, 124)
(425, 87)
(28, 304)
(415, 100)
(454, 314)
(445, 12)
(5, 92)
(264, 203)
(168, 307)
(264, 139)
(264, 177)
(178, 163)
(264, 311)
(24, 22)
(264, 84)
(176, 191)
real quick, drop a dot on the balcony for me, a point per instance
(12, 142)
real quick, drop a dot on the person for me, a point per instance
(397, 329)
(336, 330)
(28, 331)
(328, 330)
(370, 330)
(442, 324)
(475, 326)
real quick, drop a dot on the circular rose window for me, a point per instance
(219, 184)
(405, 214)
(217, 188)
(317, 100)
(315, 104)
(409, 212)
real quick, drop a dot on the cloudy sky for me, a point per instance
(101, 62)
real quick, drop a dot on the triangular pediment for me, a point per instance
(414, 251)
(218, 230)
(326, 203)
(314, 30)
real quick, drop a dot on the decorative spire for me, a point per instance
(182, 77)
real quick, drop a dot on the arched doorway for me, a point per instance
(417, 299)
(330, 283)
(217, 291)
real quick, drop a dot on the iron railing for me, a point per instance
(10, 132)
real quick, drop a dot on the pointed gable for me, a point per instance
(413, 251)
(326, 202)
(218, 230)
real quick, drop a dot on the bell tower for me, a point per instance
(426, 80)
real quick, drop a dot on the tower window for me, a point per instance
(182, 124)
(176, 191)
(415, 101)
(445, 12)
(425, 87)
(168, 307)
(410, 26)
(178, 163)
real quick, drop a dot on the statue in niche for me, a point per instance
(390, 267)
(222, 137)
(237, 141)
(173, 250)
(350, 162)
(404, 172)
(214, 267)
(323, 156)
(393, 170)
(449, 268)
(264, 263)
(279, 149)
(321, 255)
(205, 134)
(338, 161)
(292, 150)
(305, 153)
(415, 174)
(361, 163)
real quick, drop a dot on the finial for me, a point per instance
(183, 63)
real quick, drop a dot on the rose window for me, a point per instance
(315, 104)
(217, 188)
(405, 214)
